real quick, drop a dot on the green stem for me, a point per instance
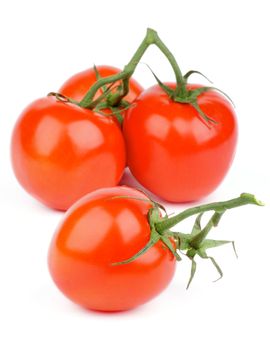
(199, 238)
(150, 38)
(88, 98)
(245, 198)
(180, 80)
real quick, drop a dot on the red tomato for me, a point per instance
(183, 159)
(60, 152)
(78, 85)
(98, 231)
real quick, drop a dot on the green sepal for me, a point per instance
(102, 97)
(203, 255)
(181, 239)
(181, 99)
(197, 225)
(155, 237)
(117, 113)
(189, 73)
(223, 93)
(198, 239)
(153, 217)
(194, 94)
(167, 89)
(98, 76)
(197, 92)
(184, 239)
(191, 99)
(125, 104)
(115, 98)
(170, 246)
(197, 244)
(213, 243)
(192, 272)
(202, 114)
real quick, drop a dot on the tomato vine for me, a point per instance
(193, 243)
(115, 99)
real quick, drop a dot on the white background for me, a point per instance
(45, 42)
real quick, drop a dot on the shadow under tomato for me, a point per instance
(116, 313)
(129, 180)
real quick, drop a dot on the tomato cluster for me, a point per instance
(61, 151)
(114, 249)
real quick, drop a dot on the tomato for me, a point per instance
(60, 152)
(78, 85)
(101, 229)
(184, 158)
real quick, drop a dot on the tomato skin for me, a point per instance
(78, 85)
(183, 158)
(60, 152)
(100, 230)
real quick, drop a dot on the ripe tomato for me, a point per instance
(60, 152)
(183, 159)
(97, 231)
(78, 85)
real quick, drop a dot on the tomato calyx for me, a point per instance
(193, 243)
(155, 236)
(110, 99)
(183, 95)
